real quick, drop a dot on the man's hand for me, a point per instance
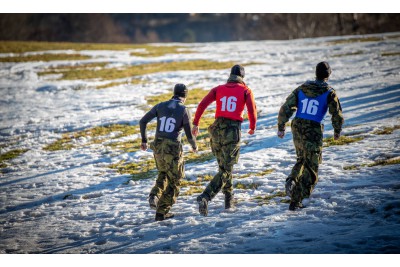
(336, 136)
(195, 149)
(144, 146)
(195, 130)
(251, 132)
(281, 134)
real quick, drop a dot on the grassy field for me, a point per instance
(109, 135)
(20, 47)
(85, 73)
(143, 49)
(44, 57)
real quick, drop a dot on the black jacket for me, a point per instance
(172, 117)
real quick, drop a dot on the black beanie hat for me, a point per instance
(180, 90)
(237, 70)
(323, 70)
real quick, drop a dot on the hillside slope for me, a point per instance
(67, 199)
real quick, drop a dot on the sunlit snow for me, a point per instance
(350, 211)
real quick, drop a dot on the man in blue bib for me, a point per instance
(311, 101)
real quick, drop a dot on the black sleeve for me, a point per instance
(188, 128)
(146, 119)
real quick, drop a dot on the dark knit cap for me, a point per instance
(237, 70)
(323, 70)
(180, 90)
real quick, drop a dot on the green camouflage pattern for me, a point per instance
(312, 90)
(307, 139)
(225, 145)
(168, 155)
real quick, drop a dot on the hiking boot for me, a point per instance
(289, 186)
(153, 201)
(295, 205)
(203, 204)
(229, 201)
(162, 217)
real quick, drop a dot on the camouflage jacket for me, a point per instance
(312, 89)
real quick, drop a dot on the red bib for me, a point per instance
(230, 101)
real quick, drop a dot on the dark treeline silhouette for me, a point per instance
(148, 28)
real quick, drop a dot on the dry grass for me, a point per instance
(144, 169)
(9, 155)
(351, 168)
(387, 130)
(192, 191)
(96, 135)
(348, 54)
(44, 57)
(343, 140)
(265, 200)
(390, 54)
(22, 47)
(383, 162)
(157, 51)
(240, 185)
(126, 83)
(196, 187)
(135, 70)
(261, 173)
(355, 40)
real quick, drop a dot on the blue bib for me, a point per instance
(312, 108)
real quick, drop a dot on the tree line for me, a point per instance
(149, 28)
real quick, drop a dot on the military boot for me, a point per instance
(153, 201)
(162, 217)
(229, 201)
(295, 205)
(202, 200)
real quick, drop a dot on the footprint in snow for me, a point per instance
(101, 242)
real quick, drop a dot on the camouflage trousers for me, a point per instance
(225, 145)
(169, 161)
(307, 139)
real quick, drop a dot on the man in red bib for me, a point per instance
(231, 98)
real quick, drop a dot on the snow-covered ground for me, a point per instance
(350, 211)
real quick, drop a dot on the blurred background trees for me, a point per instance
(168, 27)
